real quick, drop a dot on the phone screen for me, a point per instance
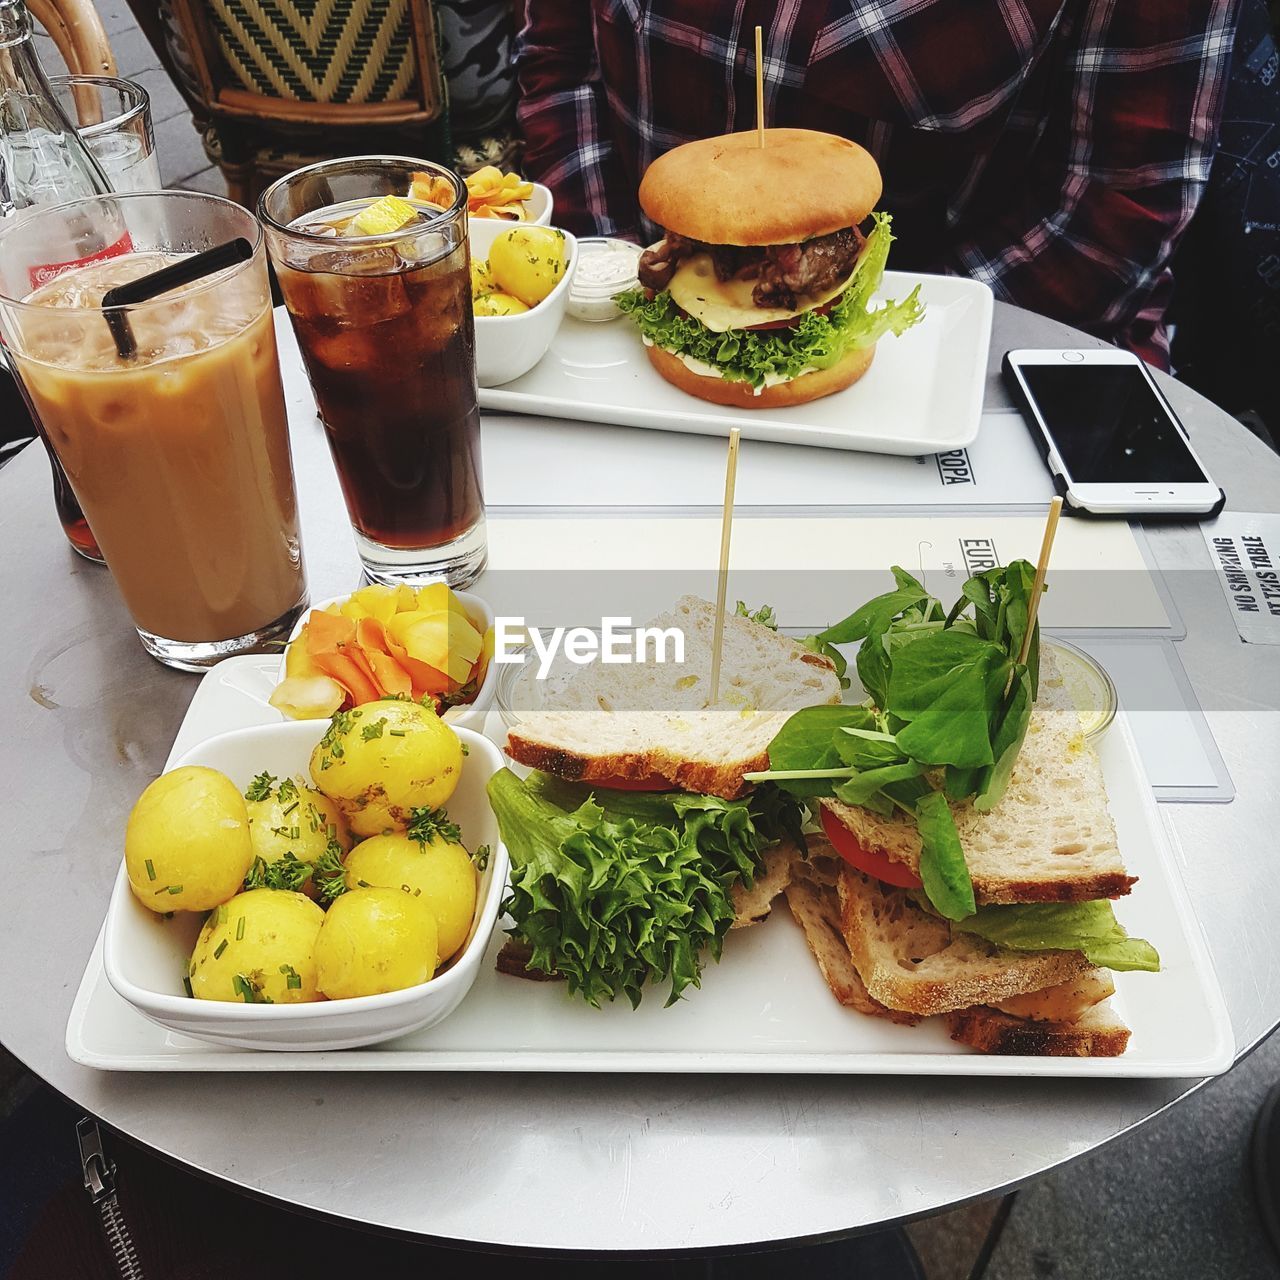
(1108, 426)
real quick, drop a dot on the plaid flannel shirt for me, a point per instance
(1055, 149)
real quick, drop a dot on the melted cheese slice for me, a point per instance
(726, 304)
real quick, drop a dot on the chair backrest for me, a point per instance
(78, 33)
(315, 61)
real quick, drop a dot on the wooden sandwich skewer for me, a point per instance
(759, 91)
(1042, 568)
(722, 579)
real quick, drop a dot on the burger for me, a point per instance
(759, 293)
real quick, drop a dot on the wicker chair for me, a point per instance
(77, 32)
(276, 84)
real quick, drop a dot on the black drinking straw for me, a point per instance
(144, 288)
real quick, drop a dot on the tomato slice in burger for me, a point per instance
(869, 861)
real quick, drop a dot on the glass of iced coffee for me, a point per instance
(377, 283)
(175, 443)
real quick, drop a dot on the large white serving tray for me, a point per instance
(763, 1009)
(922, 394)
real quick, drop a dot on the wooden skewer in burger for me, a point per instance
(760, 293)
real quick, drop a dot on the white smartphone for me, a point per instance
(1110, 434)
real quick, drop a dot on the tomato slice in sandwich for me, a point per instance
(869, 861)
(615, 783)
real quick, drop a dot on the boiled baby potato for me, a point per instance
(375, 940)
(482, 281)
(381, 760)
(437, 869)
(259, 948)
(187, 845)
(285, 817)
(528, 262)
(498, 304)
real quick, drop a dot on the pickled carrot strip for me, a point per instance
(326, 631)
(337, 665)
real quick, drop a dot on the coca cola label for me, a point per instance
(52, 270)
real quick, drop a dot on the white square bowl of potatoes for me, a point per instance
(520, 291)
(257, 909)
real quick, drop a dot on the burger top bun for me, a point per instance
(729, 190)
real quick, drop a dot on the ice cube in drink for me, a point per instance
(384, 324)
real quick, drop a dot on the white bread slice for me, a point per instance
(910, 959)
(1051, 837)
(646, 719)
(752, 906)
(817, 912)
(1098, 1033)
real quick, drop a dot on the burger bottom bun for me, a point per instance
(740, 395)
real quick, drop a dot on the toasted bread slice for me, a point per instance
(752, 906)
(910, 959)
(1050, 839)
(643, 720)
(1097, 1033)
(816, 911)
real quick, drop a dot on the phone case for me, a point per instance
(1060, 481)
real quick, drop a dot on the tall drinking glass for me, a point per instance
(385, 328)
(178, 452)
(113, 117)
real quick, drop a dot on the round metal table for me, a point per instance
(633, 1164)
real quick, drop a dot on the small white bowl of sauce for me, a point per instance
(605, 267)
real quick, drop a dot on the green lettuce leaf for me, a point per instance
(1090, 927)
(817, 341)
(613, 901)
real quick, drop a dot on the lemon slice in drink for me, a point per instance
(388, 214)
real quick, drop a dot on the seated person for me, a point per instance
(1054, 150)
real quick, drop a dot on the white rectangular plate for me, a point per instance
(763, 1008)
(922, 394)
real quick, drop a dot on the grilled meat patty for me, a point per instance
(781, 271)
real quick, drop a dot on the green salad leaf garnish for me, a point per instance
(1090, 927)
(946, 693)
(616, 890)
(817, 341)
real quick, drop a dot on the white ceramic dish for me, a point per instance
(922, 394)
(763, 1009)
(470, 715)
(538, 206)
(509, 346)
(144, 956)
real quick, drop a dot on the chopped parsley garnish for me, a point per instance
(328, 874)
(288, 792)
(260, 788)
(426, 824)
(292, 979)
(371, 731)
